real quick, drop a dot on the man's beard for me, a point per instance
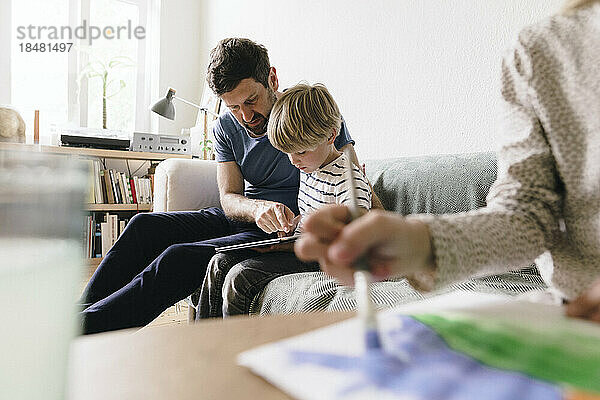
(261, 128)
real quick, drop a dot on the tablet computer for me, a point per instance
(258, 243)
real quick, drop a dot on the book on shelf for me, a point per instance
(127, 189)
(133, 192)
(142, 189)
(115, 186)
(109, 186)
(92, 237)
(87, 237)
(101, 235)
(114, 227)
(97, 245)
(123, 186)
(99, 197)
(124, 199)
(106, 240)
(104, 198)
(109, 190)
(139, 190)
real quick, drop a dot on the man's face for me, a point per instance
(251, 104)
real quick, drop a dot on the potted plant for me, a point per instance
(105, 71)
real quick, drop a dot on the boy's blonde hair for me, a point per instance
(302, 118)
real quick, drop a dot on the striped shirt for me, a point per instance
(330, 185)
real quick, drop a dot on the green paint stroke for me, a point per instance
(559, 356)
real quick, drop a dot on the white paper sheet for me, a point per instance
(299, 365)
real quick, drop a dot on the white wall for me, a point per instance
(410, 76)
(182, 59)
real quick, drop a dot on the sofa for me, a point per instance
(434, 184)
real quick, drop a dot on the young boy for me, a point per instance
(304, 123)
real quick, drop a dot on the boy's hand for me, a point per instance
(273, 217)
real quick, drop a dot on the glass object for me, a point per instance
(41, 199)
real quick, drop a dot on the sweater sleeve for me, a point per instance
(520, 220)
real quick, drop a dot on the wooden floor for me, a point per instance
(174, 315)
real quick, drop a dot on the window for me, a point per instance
(39, 81)
(117, 58)
(114, 57)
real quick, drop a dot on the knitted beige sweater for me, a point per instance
(547, 195)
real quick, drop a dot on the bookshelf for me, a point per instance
(103, 155)
(117, 207)
(96, 153)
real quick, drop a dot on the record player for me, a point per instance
(96, 142)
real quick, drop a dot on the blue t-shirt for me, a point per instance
(268, 172)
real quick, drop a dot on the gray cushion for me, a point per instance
(439, 184)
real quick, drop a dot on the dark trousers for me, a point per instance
(234, 279)
(159, 259)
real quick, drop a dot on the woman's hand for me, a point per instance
(587, 306)
(393, 245)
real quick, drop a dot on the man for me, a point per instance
(161, 258)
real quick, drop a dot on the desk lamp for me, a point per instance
(165, 108)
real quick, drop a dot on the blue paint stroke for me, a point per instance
(372, 339)
(434, 372)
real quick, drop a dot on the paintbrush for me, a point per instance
(362, 275)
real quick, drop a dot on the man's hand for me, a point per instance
(268, 215)
(273, 217)
(587, 306)
(393, 245)
(288, 246)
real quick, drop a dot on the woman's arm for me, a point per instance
(520, 220)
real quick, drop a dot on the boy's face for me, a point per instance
(310, 160)
(251, 103)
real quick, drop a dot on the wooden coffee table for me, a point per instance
(182, 362)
